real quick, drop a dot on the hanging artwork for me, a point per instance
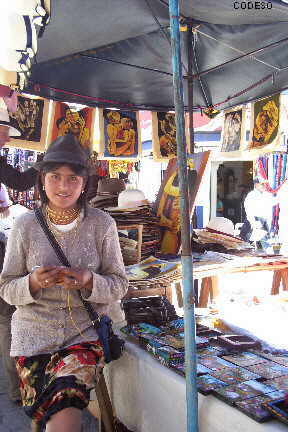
(233, 130)
(164, 135)
(167, 201)
(66, 119)
(265, 119)
(30, 119)
(120, 134)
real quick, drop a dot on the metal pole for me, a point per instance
(190, 85)
(186, 258)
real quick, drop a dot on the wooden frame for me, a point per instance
(31, 118)
(120, 136)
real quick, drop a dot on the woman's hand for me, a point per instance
(72, 279)
(43, 277)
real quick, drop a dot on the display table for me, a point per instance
(208, 272)
(149, 397)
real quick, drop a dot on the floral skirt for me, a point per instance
(52, 382)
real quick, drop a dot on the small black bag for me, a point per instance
(112, 344)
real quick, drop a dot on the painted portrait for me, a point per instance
(164, 135)
(167, 201)
(164, 141)
(233, 130)
(120, 136)
(30, 119)
(265, 116)
(80, 123)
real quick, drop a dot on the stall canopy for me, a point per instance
(117, 52)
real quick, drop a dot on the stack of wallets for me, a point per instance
(156, 310)
(255, 407)
(241, 391)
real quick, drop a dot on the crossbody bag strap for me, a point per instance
(93, 315)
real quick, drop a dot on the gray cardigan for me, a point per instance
(44, 323)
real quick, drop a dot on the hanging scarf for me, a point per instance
(271, 170)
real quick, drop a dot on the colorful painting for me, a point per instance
(66, 119)
(233, 130)
(120, 134)
(30, 119)
(167, 202)
(164, 135)
(150, 268)
(265, 117)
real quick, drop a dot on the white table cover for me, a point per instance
(149, 397)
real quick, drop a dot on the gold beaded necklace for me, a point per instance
(63, 236)
(62, 217)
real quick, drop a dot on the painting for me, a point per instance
(265, 119)
(233, 130)
(167, 202)
(150, 268)
(67, 119)
(164, 135)
(120, 134)
(30, 118)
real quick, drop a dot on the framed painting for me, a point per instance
(265, 123)
(167, 201)
(164, 142)
(31, 119)
(80, 123)
(233, 130)
(119, 134)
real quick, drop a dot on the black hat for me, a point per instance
(65, 149)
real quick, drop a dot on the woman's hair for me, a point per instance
(77, 169)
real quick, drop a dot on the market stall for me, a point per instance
(50, 79)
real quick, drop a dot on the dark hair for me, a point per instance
(77, 169)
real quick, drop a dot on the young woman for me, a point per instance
(56, 348)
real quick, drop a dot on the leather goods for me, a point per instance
(157, 311)
(237, 342)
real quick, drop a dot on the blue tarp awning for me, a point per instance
(117, 53)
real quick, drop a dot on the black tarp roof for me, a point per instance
(117, 52)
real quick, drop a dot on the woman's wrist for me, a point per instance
(34, 287)
(89, 284)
